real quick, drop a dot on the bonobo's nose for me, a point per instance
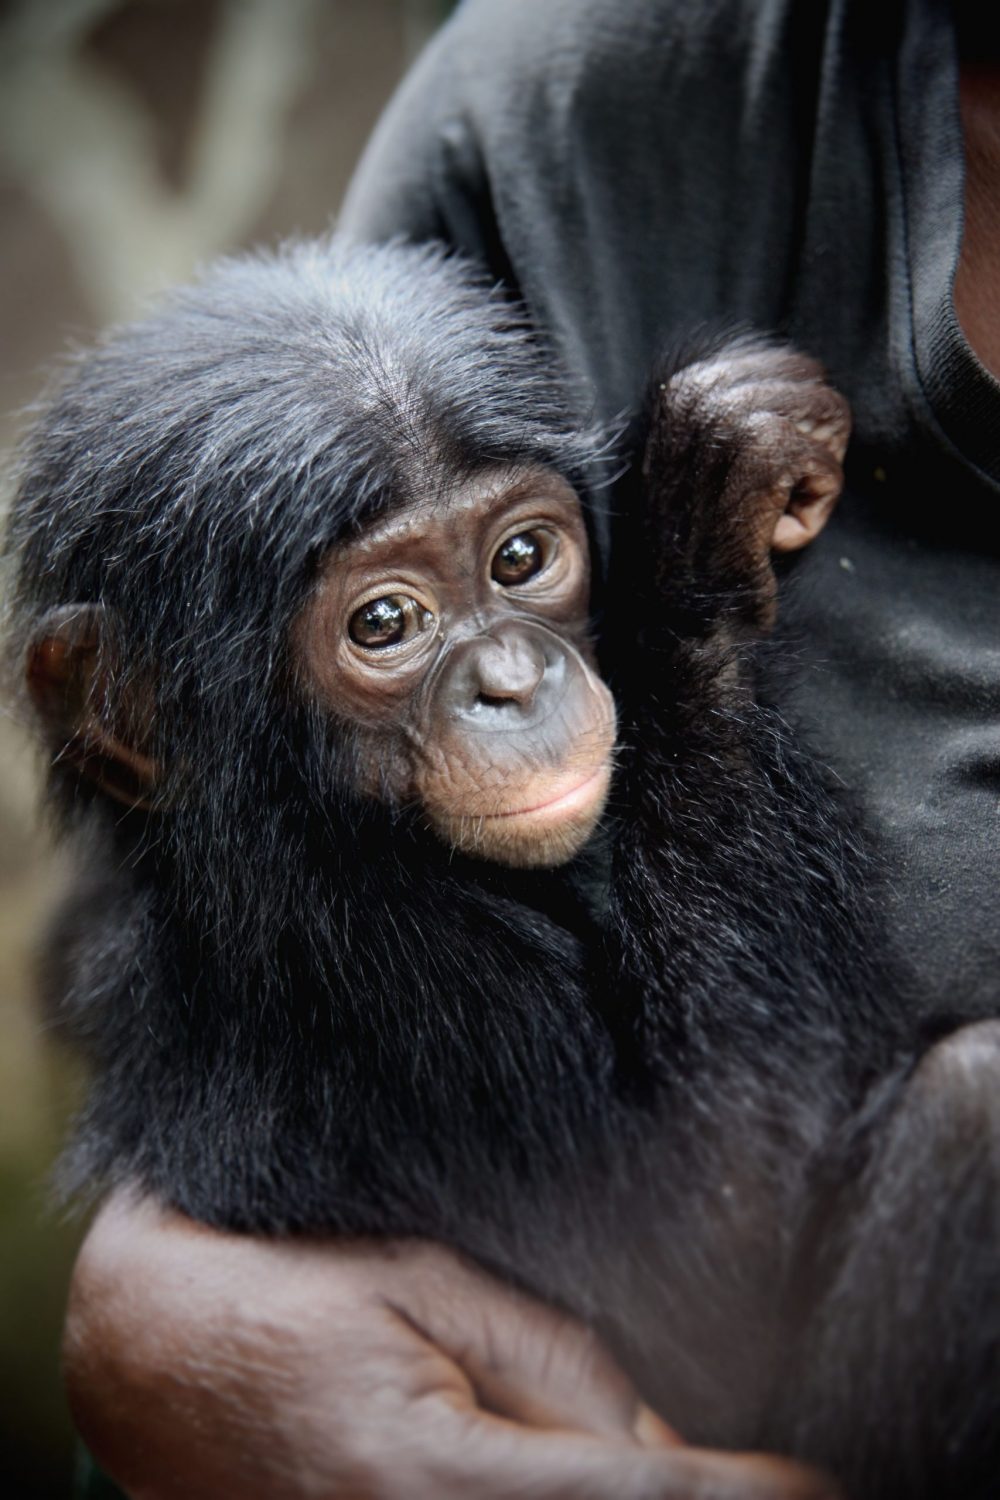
(508, 669)
(497, 672)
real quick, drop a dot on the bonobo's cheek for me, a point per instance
(525, 801)
(382, 764)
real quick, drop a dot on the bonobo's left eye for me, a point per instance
(520, 557)
(388, 621)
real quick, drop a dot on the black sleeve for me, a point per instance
(597, 157)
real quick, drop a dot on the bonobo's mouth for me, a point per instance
(567, 803)
(559, 807)
(546, 833)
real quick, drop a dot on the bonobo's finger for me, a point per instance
(750, 374)
(792, 495)
(778, 396)
(814, 411)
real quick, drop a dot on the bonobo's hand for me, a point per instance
(742, 458)
(204, 1365)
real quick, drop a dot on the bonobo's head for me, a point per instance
(452, 636)
(315, 527)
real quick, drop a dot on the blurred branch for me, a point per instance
(83, 144)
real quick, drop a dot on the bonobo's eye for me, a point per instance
(388, 621)
(520, 557)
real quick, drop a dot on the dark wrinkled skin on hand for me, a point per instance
(203, 1365)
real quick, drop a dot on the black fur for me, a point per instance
(302, 1013)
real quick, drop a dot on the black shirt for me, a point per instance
(637, 167)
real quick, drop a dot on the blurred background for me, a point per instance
(138, 138)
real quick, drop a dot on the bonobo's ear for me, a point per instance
(814, 489)
(69, 673)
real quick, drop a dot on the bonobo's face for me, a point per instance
(453, 637)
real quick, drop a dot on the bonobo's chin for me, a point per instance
(546, 833)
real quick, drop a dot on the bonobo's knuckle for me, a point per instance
(824, 419)
(748, 364)
(772, 395)
(813, 411)
(779, 366)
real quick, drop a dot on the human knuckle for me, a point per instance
(965, 1055)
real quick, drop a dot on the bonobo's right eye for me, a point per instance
(388, 621)
(520, 557)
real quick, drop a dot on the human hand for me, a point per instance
(204, 1365)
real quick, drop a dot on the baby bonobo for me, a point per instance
(302, 598)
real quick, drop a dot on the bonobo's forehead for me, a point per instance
(440, 528)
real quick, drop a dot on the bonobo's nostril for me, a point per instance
(505, 670)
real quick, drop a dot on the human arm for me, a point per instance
(203, 1365)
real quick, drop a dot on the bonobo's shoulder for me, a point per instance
(513, 87)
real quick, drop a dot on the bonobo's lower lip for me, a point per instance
(562, 802)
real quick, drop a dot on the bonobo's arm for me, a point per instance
(738, 914)
(203, 1365)
(727, 841)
